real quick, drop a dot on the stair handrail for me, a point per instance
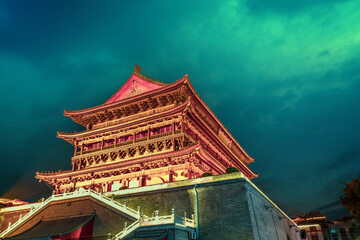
(69, 195)
(127, 230)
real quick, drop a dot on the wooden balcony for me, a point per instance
(129, 144)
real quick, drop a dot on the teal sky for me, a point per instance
(282, 76)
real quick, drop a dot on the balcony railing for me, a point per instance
(161, 135)
(141, 139)
(109, 148)
(91, 150)
(124, 143)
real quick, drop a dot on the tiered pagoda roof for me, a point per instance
(147, 125)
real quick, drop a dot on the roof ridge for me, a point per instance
(148, 77)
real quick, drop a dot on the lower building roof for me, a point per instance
(54, 227)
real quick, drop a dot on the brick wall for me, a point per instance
(267, 220)
(10, 217)
(229, 207)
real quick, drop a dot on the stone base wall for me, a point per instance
(10, 217)
(268, 221)
(229, 205)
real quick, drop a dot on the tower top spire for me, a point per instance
(137, 68)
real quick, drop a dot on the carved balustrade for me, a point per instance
(164, 142)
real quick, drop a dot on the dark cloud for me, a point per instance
(282, 76)
(332, 210)
(287, 7)
(323, 53)
(344, 159)
(334, 204)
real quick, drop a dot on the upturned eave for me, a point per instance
(198, 98)
(102, 107)
(70, 137)
(49, 176)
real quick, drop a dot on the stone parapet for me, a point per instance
(228, 206)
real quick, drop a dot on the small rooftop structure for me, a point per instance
(11, 202)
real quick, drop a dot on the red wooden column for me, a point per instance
(142, 181)
(189, 173)
(171, 176)
(125, 182)
(173, 125)
(182, 131)
(109, 185)
(76, 148)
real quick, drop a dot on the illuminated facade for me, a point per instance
(342, 229)
(313, 225)
(147, 133)
(138, 173)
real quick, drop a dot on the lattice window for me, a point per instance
(122, 154)
(151, 147)
(131, 152)
(142, 150)
(90, 160)
(168, 144)
(113, 155)
(97, 159)
(104, 157)
(82, 163)
(160, 145)
(177, 144)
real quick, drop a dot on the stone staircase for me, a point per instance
(71, 195)
(141, 220)
(156, 221)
